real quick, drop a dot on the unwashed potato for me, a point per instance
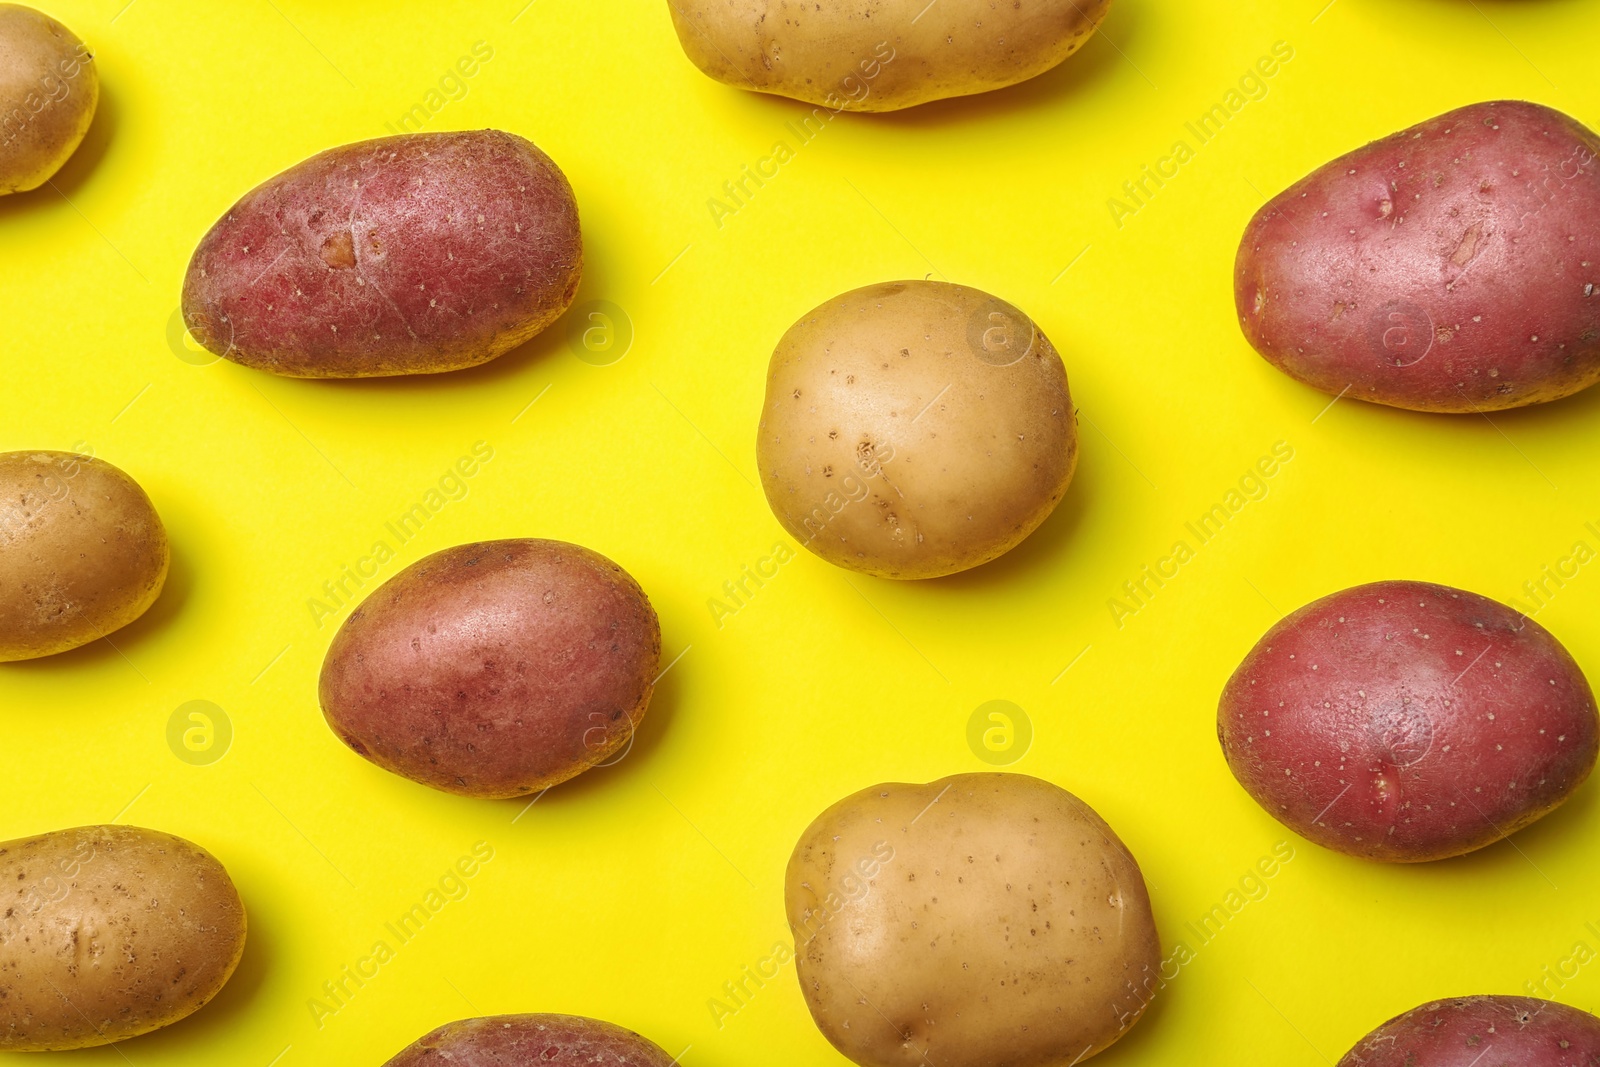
(979, 920)
(495, 669)
(1483, 1031)
(915, 429)
(82, 552)
(532, 1041)
(880, 55)
(1453, 266)
(49, 88)
(1404, 721)
(108, 932)
(414, 254)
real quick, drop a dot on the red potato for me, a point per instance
(531, 1041)
(413, 254)
(1403, 721)
(1453, 266)
(1485, 1031)
(494, 669)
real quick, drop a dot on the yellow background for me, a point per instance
(636, 892)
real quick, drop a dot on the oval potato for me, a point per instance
(530, 1040)
(413, 254)
(1460, 1032)
(49, 89)
(1406, 721)
(495, 669)
(82, 552)
(108, 932)
(938, 923)
(1452, 267)
(915, 429)
(880, 55)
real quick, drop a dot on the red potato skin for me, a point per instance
(1404, 721)
(1450, 267)
(1484, 1031)
(413, 254)
(495, 669)
(532, 1041)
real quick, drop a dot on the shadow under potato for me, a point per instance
(114, 647)
(221, 1016)
(1073, 77)
(78, 168)
(1039, 550)
(629, 760)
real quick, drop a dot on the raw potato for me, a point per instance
(108, 932)
(1403, 721)
(495, 669)
(915, 429)
(414, 254)
(1453, 266)
(49, 88)
(880, 55)
(1462, 1032)
(82, 552)
(531, 1041)
(943, 923)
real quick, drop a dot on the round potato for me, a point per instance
(108, 932)
(82, 552)
(1453, 266)
(414, 254)
(1404, 721)
(531, 1041)
(938, 923)
(49, 88)
(1461, 1032)
(880, 55)
(495, 669)
(915, 429)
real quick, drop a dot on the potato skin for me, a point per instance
(82, 552)
(1405, 721)
(531, 1041)
(941, 923)
(413, 254)
(137, 928)
(495, 669)
(1452, 267)
(880, 55)
(915, 429)
(49, 89)
(1458, 1032)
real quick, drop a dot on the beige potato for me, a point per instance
(48, 91)
(915, 429)
(880, 55)
(942, 923)
(108, 932)
(82, 552)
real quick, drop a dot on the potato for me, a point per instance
(49, 88)
(1463, 1031)
(943, 923)
(1403, 721)
(880, 55)
(915, 429)
(108, 932)
(1453, 266)
(82, 552)
(495, 669)
(414, 254)
(531, 1041)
